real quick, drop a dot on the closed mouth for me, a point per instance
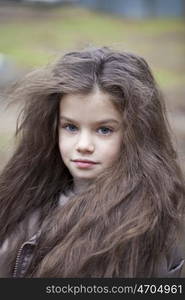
(84, 161)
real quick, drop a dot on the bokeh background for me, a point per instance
(34, 32)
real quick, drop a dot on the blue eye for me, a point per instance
(105, 130)
(70, 127)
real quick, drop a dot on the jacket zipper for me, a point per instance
(17, 259)
(31, 242)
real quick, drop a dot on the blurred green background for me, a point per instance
(33, 35)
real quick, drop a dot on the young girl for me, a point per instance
(93, 188)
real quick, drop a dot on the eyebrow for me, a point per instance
(98, 122)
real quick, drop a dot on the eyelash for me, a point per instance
(68, 127)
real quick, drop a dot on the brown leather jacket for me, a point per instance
(170, 264)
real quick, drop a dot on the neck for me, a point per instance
(81, 184)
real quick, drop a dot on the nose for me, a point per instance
(85, 143)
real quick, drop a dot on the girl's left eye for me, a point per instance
(105, 130)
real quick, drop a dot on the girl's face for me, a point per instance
(90, 133)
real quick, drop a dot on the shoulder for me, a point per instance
(9, 247)
(24, 230)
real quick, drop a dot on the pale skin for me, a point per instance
(89, 129)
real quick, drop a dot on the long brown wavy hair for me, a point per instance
(121, 224)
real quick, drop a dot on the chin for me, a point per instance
(85, 176)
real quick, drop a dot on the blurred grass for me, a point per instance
(35, 41)
(167, 78)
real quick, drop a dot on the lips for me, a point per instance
(84, 164)
(85, 161)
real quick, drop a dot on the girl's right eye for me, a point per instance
(70, 127)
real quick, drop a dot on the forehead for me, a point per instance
(95, 105)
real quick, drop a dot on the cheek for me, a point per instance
(64, 146)
(113, 154)
(113, 149)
